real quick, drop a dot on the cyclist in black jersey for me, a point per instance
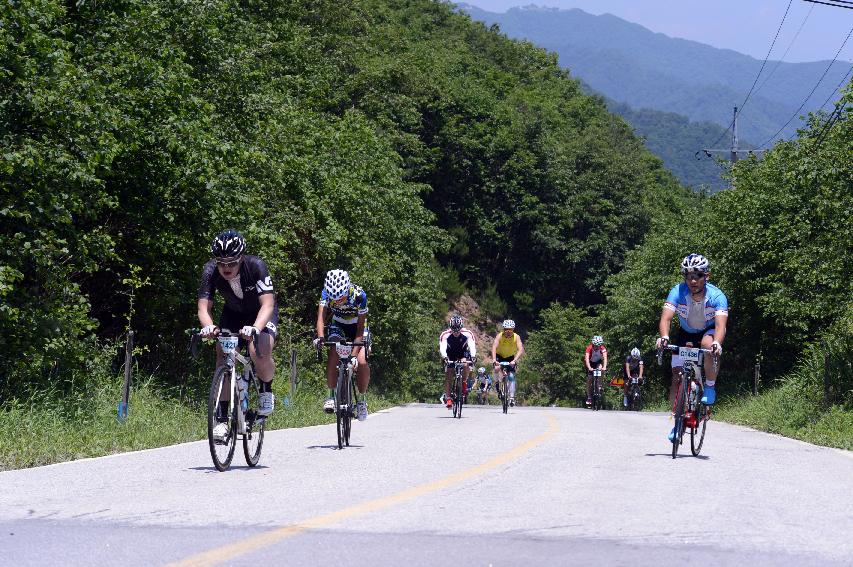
(250, 308)
(456, 343)
(634, 367)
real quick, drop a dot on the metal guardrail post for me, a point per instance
(757, 377)
(128, 370)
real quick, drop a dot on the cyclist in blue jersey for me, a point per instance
(348, 304)
(250, 308)
(703, 312)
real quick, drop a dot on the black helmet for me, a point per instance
(456, 323)
(228, 244)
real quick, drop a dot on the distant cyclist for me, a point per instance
(483, 383)
(348, 304)
(703, 313)
(594, 357)
(454, 344)
(634, 367)
(507, 347)
(250, 308)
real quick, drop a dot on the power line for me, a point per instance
(793, 40)
(840, 84)
(785, 15)
(797, 112)
(836, 3)
(833, 118)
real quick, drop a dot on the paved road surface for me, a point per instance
(540, 486)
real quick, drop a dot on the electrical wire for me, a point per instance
(793, 40)
(797, 112)
(836, 3)
(740, 109)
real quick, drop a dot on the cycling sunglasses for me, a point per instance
(228, 263)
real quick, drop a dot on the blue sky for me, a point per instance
(747, 26)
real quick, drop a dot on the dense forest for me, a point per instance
(423, 152)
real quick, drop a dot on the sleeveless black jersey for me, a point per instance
(254, 281)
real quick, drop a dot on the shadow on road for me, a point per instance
(333, 447)
(700, 457)
(231, 468)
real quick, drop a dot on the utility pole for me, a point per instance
(734, 150)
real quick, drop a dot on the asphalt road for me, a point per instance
(539, 486)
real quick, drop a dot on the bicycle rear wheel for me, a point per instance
(697, 434)
(680, 405)
(253, 439)
(221, 451)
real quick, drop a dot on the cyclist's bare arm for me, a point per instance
(205, 312)
(519, 349)
(321, 320)
(586, 361)
(720, 322)
(642, 367)
(267, 302)
(359, 334)
(604, 360)
(665, 321)
(628, 370)
(495, 350)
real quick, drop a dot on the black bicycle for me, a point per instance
(597, 389)
(457, 393)
(345, 392)
(483, 392)
(688, 410)
(635, 396)
(242, 394)
(502, 385)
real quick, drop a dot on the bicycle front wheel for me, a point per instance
(221, 450)
(253, 439)
(506, 396)
(680, 405)
(697, 434)
(457, 404)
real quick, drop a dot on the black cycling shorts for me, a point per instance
(234, 321)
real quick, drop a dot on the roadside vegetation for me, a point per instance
(427, 154)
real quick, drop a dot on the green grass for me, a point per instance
(52, 429)
(778, 411)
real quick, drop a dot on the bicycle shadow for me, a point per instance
(232, 467)
(335, 447)
(700, 457)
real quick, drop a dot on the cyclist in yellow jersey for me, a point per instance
(507, 347)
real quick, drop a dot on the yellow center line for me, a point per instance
(250, 544)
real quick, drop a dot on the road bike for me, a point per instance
(457, 393)
(345, 391)
(635, 396)
(502, 385)
(241, 391)
(597, 389)
(688, 410)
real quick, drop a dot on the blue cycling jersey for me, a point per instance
(679, 300)
(347, 309)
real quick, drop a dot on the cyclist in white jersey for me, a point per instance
(703, 312)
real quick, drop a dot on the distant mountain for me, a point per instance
(675, 140)
(633, 65)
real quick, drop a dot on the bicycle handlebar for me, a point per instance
(675, 348)
(197, 337)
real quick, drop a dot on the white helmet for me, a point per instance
(508, 324)
(481, 370)
(337, 283)
(695, 263)
(635, 352)
(597, 340)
